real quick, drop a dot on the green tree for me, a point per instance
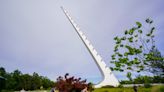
(16, 80)
(2, 78)
(132, 51)
(2, 83)
(26, 81)
(9, 81)
(2, 72)
(46, 83)
(157, 63)
(16, 75)
(36, 81)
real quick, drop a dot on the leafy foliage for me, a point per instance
(132, 51)
(16, 80)
(144, 79)
(156, 63)
(72, 84)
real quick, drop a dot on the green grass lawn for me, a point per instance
(130, 89)
(141, 89)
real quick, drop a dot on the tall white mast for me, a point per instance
(108, 76)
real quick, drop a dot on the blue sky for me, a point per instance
(35, 35)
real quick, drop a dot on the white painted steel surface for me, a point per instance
(108, 76)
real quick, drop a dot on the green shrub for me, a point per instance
(108, 86)
(147, 85)
(120, 86)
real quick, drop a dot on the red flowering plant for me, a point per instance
(72, 84)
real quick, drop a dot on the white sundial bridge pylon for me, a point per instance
(108, 76)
